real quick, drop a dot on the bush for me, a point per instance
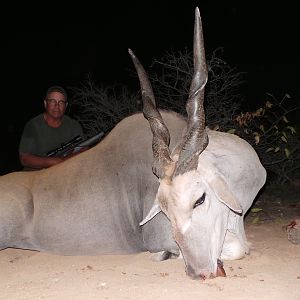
(171, 77)
(268, 129)
(274, 137)
(101, 108)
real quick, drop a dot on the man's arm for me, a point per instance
(38, 162)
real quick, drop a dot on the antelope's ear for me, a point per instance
(152, 213)
(224, 194)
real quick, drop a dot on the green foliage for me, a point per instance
(275, 138)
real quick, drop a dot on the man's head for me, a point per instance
(56, 101)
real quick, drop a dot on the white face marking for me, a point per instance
(177, 199)
(186, 226)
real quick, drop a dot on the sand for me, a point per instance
(271, 271)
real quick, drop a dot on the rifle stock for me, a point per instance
(75, 145)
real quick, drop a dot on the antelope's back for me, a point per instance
(91, 203)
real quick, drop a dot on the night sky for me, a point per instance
(47, 45)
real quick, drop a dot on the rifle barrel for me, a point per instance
(71, 144)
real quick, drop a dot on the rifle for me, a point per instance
(75, 145)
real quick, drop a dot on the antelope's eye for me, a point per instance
(200, 201)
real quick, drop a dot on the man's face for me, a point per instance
(55, 104)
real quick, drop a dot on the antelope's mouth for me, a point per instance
(220, 272)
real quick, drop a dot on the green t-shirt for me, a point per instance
(38, 137)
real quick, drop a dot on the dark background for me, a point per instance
(51, 44)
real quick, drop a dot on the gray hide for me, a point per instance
(91, 203)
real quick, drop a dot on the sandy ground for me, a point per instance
(271, 271)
